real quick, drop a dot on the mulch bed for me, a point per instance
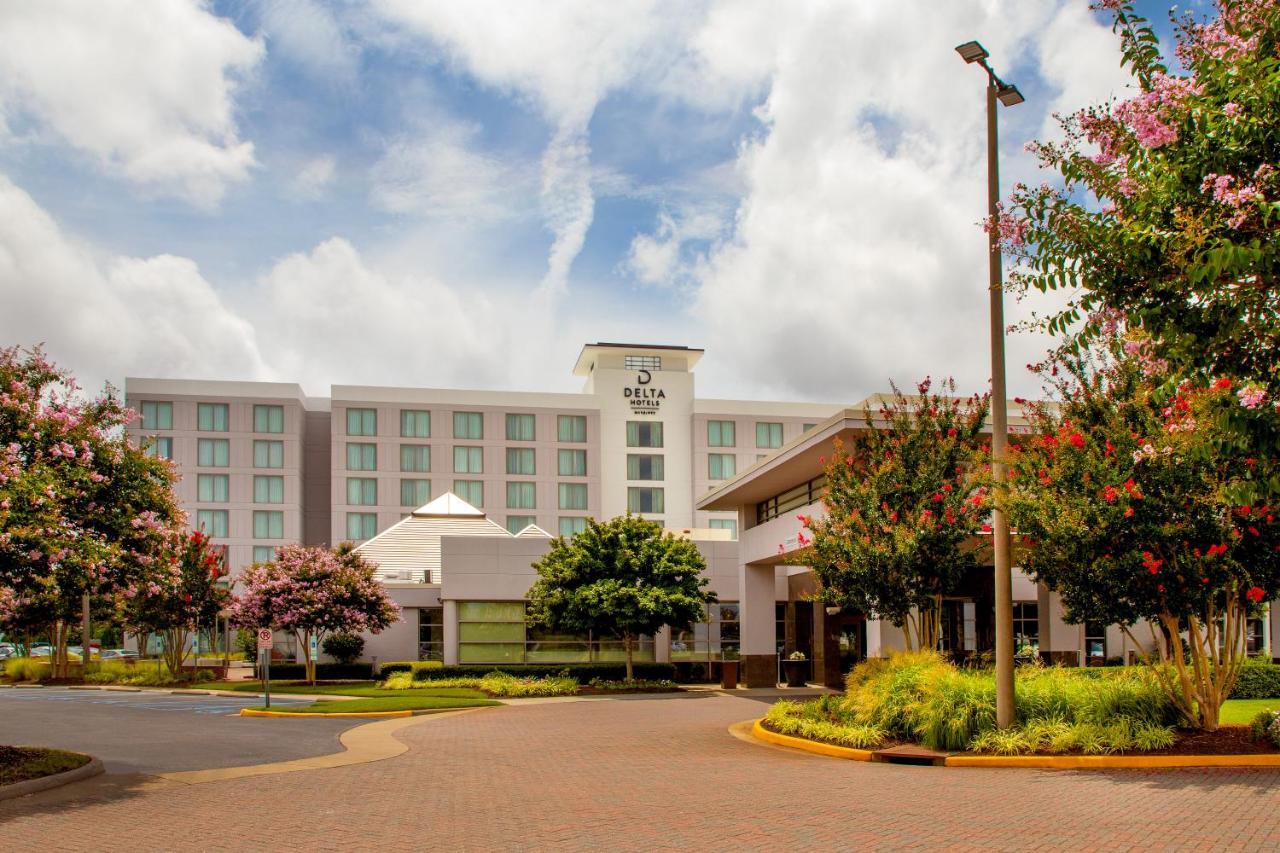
(586, 690)
(19, 764)
(1227, 740)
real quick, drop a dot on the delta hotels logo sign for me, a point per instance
(644, 400)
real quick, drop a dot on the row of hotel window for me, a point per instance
(416, 423)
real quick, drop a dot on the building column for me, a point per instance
(450, 633)
(759, 641)
(662, 645)
(872, 628)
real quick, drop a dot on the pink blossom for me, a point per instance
(1251, 396)
(1231, 109)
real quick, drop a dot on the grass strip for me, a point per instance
(362, 689)
(395, 703)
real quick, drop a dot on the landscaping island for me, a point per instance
(23, 764)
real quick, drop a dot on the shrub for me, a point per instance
(1257, 680)
(27, 669)
(583, 672)
(345, 648)
(142, 675)
(635, 684)
(493, 683)
(808, 720)
(393, 666)
(324, 671)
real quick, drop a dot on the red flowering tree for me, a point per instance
(82, 512)
(181, 593)
(903, 505)
(1167, 208)
(313, 592)
(1126, 508)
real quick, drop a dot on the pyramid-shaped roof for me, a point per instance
(409, 550)
(534, 531)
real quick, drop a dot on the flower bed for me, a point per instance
(22, 764)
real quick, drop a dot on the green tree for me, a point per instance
(183, 592)
(621, 578)
(903, 506)
(1130, 512)
(1168, 208)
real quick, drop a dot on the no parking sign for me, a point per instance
(266, 639)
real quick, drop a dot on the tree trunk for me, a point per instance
(626, 645)
(308, 662)
(175, 651)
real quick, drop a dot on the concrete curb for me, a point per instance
(1042, 762)
(57, 780)
(361, 745)
(421, 712)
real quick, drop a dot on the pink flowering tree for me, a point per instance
(182, 592)
(82, 512)
(313, 592)
(1128, 510)
(904, 504)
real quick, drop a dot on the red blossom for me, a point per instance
(1255, 594)
(1109, 494)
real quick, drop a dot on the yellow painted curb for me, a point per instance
(1046, 762)
(848, 753)
(253, 712)
(361, 745)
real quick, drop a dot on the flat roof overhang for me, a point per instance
(801, 460)
(587, 357)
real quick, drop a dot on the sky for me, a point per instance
(391, 192)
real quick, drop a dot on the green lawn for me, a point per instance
(1242, 711)
(363, 689)
(394, 703)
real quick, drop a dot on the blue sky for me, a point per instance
(389, 192)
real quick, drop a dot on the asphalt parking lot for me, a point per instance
(152, 732)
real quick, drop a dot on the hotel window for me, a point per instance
(710, 639)
(362, 421)
(362, 525)
(268, 418)
(468, 425)
(491, 631)
(212, 522)
(415, 423)
(268, 489)
(1255, 642)
(157, 415)
(640, 499)
(519, 427)
(644, 433)
(362, 457)
(362, 491)
(213, 488)
(573, 496)
(521, 496)
(520, 460)
(572, 526)
(768, 435)
(159, 446)
(431, 633)
(721, 466)
(416, 458)
(1026, 625)
(268, 454)
(471, 491)
(415, 493)
(468, 460)
(642, 467)
(264, 553)
(212, 417)
(213, 452)
(641, 362)
(807, 427)
(516, 523)
(721, 434)
(730, 524)
(1095, 643)
(571, 428)
(572, 463)
(268, 524)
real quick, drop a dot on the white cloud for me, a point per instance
(146, 89)
(310, 34)
(104, 317)
(314, 177)
(440, 172)
(655, 258)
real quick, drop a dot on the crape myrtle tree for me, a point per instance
(620, 579)
(904, 500)
(82, 512)
(1168, 208)
(313, 592)
(1127, 508)
(181, 593)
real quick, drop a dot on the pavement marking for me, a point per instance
(361, 745)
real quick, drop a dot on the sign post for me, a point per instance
(266, 640)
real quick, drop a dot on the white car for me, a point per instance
(118, 654)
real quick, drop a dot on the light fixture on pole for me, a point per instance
(1007, 94)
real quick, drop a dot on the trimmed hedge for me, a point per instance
(1257, 681)
(324, 671)
(584, 672)
(391, 667)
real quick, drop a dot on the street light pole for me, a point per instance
(1008, 95)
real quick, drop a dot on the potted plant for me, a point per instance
(729, 669)
(796, 667)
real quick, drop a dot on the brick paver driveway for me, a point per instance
(645, 774)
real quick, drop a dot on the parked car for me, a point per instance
(119, 654)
